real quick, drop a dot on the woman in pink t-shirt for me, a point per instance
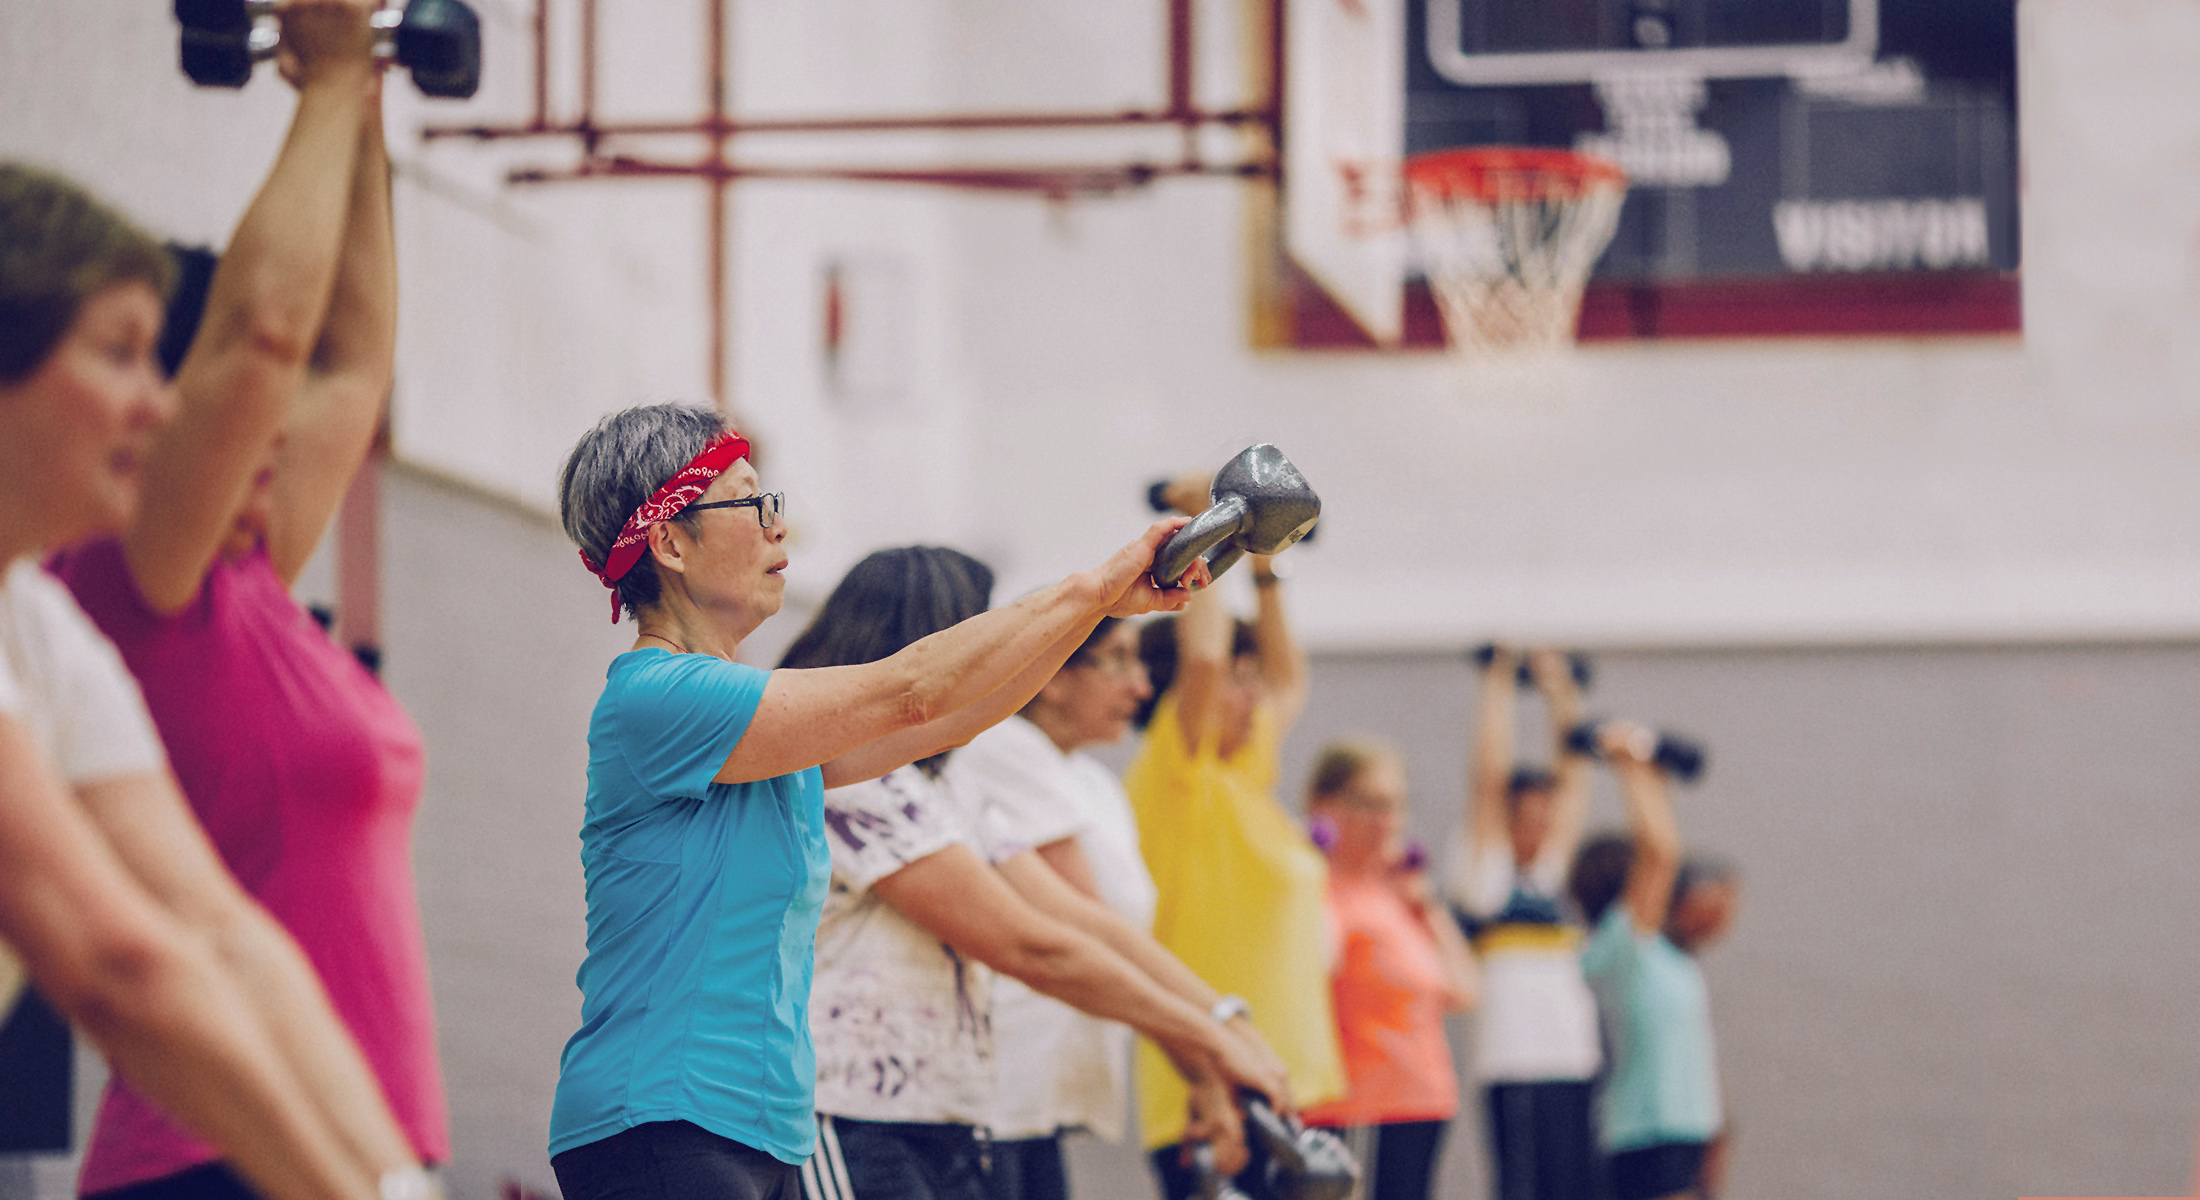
(303, 770)
(1400, 966)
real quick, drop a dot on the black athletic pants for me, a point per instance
(673, 1160)
(1028, 1169)
(1543, 1141)
(214, 1181)
(1652, 1172)
(895, 1160)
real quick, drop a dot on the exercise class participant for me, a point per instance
(1653, 912)
(1240, 888)
(307, 773)
(1536, 1049)
(929, 897)
(108, 889)
(692, 1074)
(1401, 965)
(1038, 786)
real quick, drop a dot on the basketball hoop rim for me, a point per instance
(1511, 172)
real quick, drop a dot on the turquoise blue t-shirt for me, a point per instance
(1664, 1081)
(703, 902)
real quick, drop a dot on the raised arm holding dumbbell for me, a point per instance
(1653, 910)
(279, 396)
(1215, 838)
(1536, 1043)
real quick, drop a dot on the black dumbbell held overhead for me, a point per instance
(1576, 663)
(437, 41)
(1677, 756)
(1259, 504)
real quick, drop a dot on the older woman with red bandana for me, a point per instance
(692, 1074)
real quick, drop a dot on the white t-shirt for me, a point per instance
(902, 1023)
(1072, 1070)
(62, 679)
(1538, 1019)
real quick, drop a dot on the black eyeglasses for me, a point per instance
(768, 506)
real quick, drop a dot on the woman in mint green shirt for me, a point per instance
(1652, 911)
(692, 1075)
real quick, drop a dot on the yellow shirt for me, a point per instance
(1241, 902)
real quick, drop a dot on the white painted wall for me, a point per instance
(1688, 492)
(1057, 356)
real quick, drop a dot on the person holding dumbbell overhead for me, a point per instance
(1535, 1049)
(118, 907)
(307, 773)
(1653, 911)
(1241, 891)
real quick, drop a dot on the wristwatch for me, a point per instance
(1229, 1008)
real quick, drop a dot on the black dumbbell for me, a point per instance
(1303, 1163)
(438, 41)
(1677, 756)
(1157, 498)
(1576, 663)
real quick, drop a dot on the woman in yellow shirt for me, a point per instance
(1241, 888)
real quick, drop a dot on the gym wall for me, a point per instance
(1963, 965)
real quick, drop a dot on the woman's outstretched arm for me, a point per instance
(152, 832)
(816, 715)
(150, 992)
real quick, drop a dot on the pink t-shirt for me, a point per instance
(306, 774)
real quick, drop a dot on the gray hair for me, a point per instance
(618, 465)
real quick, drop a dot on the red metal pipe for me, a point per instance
(542, 65)
(947, 122)
(720, 309)
(1180, 58)
(1049, 180)
(586, 126)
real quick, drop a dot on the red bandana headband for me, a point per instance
(690, 482)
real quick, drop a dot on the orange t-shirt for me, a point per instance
(1388, 989)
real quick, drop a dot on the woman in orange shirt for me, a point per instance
(1400, 966)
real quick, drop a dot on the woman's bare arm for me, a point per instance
(264, 312)
(1283, 669)
(1554, 678)
(1203, 639)
(814, 716)
(874, 759)
(1657, 835)
(1492, 764)
(1462, 975)
(149, 990)
(953, 895)
(339, 408)
(1043, 889)
(146, 821)
(1067, 857)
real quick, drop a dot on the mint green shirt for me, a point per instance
(1664, 1081)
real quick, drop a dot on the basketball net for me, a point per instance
(1507, 237)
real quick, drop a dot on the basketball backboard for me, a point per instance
(1798, 166)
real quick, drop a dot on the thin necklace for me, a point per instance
(677, 648)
